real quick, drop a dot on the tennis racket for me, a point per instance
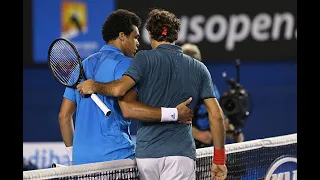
(66, 67)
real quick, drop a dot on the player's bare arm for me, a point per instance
(66, 122)
(131, 108)
(115, 88)
(215, 115)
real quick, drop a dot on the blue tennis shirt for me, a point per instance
(99, 138)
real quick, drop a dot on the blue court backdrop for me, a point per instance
(273, 86)
(79, 21)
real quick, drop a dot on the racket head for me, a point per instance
(65, 63)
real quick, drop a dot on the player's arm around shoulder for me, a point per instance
(133, 109)
(116, 88)
(127, 74)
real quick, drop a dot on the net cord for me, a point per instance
(250, 145)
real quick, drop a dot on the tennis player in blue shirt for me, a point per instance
(98, 138)
(165, 76)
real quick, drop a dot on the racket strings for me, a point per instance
(64, 63)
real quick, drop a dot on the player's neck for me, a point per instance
(155, 44)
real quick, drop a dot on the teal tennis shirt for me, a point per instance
(165, 77)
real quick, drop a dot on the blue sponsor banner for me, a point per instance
(285, 167)
(80, 21)
(44, 154)
(282, 168)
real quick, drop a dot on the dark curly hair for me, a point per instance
(160, 19)
(118, 21)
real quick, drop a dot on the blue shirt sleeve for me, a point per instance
(137, 67)
(70, 93)
(207, 90)
(216, 92)
(121, 68)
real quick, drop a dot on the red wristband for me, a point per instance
(219, 156)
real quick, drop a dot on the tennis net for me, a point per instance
(269, 158)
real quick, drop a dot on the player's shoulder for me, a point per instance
(143, 53)
(86, 60)
(197, 64)
(122, 57)
(116, 56)
(91, 57)
(201, 65)
(124, 60)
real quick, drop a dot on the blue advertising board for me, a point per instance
(80, 21)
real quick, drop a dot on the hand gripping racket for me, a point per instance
(66, 67)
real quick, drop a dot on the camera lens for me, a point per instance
(229, 105)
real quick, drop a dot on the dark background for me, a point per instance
(246, 50)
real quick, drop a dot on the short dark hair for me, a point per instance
(159, 19)
(118, 21)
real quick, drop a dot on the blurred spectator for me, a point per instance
(200, 125)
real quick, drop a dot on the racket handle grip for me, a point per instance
(101, 105)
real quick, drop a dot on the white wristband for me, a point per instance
(169, 114)
(69, 152)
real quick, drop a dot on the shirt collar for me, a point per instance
(107, 47)
(170, 47)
